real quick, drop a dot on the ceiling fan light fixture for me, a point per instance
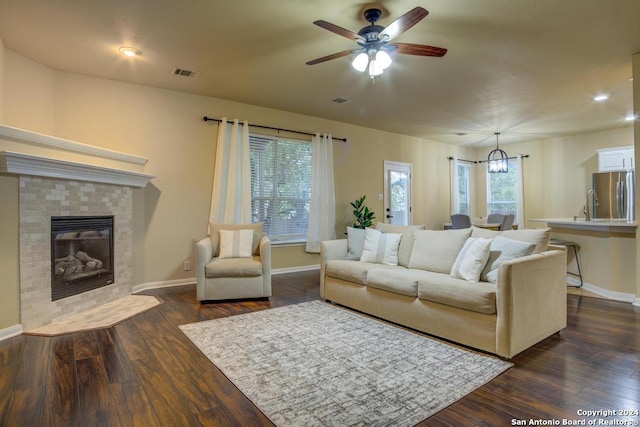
(383, 60)
(360, 62)
(375, 69)
(497, 161)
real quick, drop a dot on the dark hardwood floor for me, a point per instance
(145, 372)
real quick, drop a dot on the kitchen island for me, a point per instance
(607, 251)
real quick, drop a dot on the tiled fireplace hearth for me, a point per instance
(93, 185)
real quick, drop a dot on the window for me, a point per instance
(280, 186)
(503, 190)
(463, 171)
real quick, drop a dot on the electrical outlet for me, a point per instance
(187, 265)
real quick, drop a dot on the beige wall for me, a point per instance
(166, 127)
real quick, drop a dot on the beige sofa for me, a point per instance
(526, 304)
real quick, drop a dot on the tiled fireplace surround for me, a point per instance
(42, 198)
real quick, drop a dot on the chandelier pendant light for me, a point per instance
(498, 161)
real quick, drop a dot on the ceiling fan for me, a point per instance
(374, 41)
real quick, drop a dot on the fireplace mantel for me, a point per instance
(27, 164)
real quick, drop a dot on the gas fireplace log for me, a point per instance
(90, 263)
(72, 265)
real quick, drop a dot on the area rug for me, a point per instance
(314, 364)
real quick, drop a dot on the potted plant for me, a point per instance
(362, 216)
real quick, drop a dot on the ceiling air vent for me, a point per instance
(185, 73)
(341, 100)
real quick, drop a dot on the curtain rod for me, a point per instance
(209, 119)
(524, 156)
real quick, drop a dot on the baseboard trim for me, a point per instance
(10, 332)
(164, 284)
(301, 268)
(614, 296)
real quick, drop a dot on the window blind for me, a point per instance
(280, 186)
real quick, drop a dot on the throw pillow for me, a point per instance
(502, 250)
(380, 248)
(437, 250)
(214, 234)
(355, 242)
(406, 242)
(471, 259)
(236, 243)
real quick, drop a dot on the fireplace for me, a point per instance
(81, 254)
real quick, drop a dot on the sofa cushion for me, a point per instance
(437, 250)
(406, 243)
(444, 289)
(471, 260)
(400, 281)
(539, 236)
(233, 267)
(355, 242)
(352, 271)
(379, 247)
(502, 250)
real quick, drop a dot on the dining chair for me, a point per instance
(460, 221)
(507, 222)
(495, 218)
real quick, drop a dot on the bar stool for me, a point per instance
(575, 246)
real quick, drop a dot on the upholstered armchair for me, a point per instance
(231, 267)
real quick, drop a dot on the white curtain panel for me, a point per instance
(520, 196)
(231, 195)
(455, 196)
(322, 213)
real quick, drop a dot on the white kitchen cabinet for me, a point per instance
(616, 159)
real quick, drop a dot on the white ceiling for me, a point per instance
(526, 68)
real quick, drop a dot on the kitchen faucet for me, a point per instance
(592, 193)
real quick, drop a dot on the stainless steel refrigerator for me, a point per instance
(615, 194)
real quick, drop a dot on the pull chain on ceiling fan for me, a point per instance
(374, 41)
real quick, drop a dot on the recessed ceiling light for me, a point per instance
(130, 51)
(602, 97)
(630, 118)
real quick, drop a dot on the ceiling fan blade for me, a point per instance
(338, 30)
(419, 49)
(403, 23)
(330, 57)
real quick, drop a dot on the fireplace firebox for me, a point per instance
(81, 254)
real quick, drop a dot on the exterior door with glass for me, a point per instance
(397, 193)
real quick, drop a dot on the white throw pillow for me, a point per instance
(380, 248)
(236, 243)
(471, 259)
(502, 250)
(355, 242)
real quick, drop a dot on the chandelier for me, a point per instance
(498, 161)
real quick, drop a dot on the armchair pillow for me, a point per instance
(380, 248)
(214, 230)
(236, 243)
